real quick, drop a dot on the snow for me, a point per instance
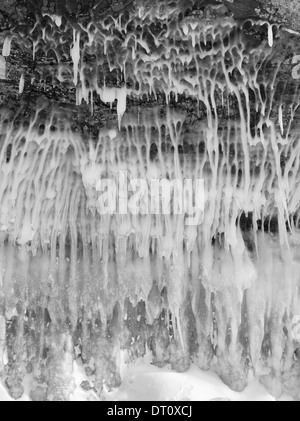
(142, 381)
(4, 396)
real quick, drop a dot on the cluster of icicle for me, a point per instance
(75, 283)
(151, 53)
(72, 278)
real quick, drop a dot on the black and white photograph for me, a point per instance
(150, 203)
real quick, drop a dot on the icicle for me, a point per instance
(6, 47)
(2, 68)
(280, 117)
(57, 19)
(21, 84)
(121, 106)
(92, 102)
(75, 54)
(185, 29)
(270, 35)
(34, 45)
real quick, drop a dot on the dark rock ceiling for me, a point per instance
(20, 17)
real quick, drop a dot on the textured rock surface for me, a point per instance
(285, 11)
(20, 18)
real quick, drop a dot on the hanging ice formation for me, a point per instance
(222, 294)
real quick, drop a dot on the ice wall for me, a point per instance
(211, 292)
(76, 283)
